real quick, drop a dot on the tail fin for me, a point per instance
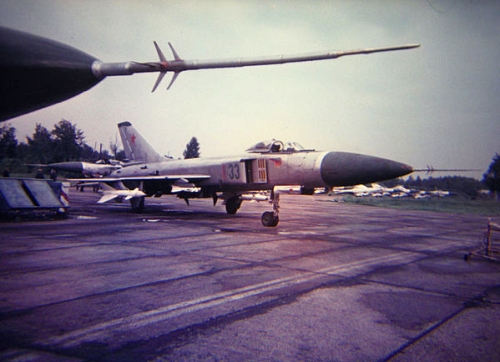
(136, 147)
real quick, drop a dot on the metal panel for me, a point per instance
(14, 195)
(234, 173)
(42, 193)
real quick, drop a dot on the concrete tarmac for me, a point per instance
(332, 282)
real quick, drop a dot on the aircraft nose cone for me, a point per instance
(345, 169)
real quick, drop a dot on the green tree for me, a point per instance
(8, 142)
(40, 146)
(68, 141)
(64, 143)
(88, 154)
(492, 177)
(192, 149)
(120, 155)
(8, 149)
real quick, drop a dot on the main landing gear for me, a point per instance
(137, 204)
(233, 204)
(271, 218)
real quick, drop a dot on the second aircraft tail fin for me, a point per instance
(136, 147)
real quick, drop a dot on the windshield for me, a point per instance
(275, 146)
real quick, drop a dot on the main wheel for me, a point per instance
(232, 205)
(137, 204)
(268, 219)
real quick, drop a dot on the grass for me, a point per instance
(446, 204)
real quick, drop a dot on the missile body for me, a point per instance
(37, 72)
(109, 195)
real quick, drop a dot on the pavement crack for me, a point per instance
(169, 342)
(474, 302)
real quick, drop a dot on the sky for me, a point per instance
(435, 105)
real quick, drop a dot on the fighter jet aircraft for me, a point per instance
(38, 72)
(264, 166)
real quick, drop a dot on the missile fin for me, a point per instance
(176, 56)
(107, 197)
(176, 74)
(160, 53)
(158, 80)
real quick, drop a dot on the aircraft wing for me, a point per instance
(192, 178)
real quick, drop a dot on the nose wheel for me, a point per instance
(271, 218)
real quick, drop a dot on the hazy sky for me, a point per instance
(436, 105)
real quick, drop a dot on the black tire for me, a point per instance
(137, 207)
(232, 205)
(268, 219)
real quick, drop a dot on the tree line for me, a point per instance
(65, 142)
(465, 186)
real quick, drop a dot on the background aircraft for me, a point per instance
(81, 167)
(135, 147)
(38, 72)
(264, 166)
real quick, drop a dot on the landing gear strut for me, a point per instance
(271, 218)
(137, 204)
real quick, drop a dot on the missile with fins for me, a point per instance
(111, 194)
(179, 65)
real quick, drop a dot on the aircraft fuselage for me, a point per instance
(263, 171)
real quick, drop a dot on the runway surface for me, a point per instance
(333, 282)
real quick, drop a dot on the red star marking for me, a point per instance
(276, 161)
(132, 138)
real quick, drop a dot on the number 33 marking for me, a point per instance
(234, 171)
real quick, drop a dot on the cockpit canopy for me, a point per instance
(273, 145)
